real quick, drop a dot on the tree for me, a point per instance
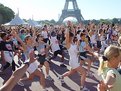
(106, 21)
(1, 18)
(115, 20)
(95, 21)
(25, 20)
(52, 21)
(119, 21)
(86, 22)
(6, 13)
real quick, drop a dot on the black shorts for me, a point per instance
(16, 48)
(83, 55)
(99, 44)
(46, 40)
(42, 59)
(57, 52)
(61, 47)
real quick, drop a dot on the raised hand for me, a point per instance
(13, 32)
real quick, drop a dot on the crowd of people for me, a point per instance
(84, 44)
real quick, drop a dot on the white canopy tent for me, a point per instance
(16, 21)
(31, 22)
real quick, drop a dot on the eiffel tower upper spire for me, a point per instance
(75, 12)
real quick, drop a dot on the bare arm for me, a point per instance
(67, 39)
(18, 39)
(8, 86)
(33, 37)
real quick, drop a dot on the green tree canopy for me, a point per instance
(115, 20)
(6, 13)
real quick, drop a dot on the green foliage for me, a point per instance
(119, 21)
(106, 21)
(47, 22)
(115, 20)
(7, 13)
(52, 21)
(25, 20)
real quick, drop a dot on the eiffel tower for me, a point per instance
(75, 12)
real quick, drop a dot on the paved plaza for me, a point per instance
(71, 83)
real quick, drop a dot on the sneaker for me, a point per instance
(20, 83)
(84, 89)
(49, 78)
(62, 65)
(61, 79)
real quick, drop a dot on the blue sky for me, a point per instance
(51, 9)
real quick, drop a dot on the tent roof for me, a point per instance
(32, 23)
(16, 21)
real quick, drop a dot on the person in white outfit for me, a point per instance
(45, 34)
(102, 39)
(30, 55)
(75, 65)
(54, 43)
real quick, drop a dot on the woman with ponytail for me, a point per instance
(108, 69)
(72, 47)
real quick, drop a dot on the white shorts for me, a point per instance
(32, 67)
(74, 64)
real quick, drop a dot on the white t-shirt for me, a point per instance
(115, 32)
(93, 39)
(45, 34)
(78, 36)
(54, 44)
(102, 38)
(73, 53)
